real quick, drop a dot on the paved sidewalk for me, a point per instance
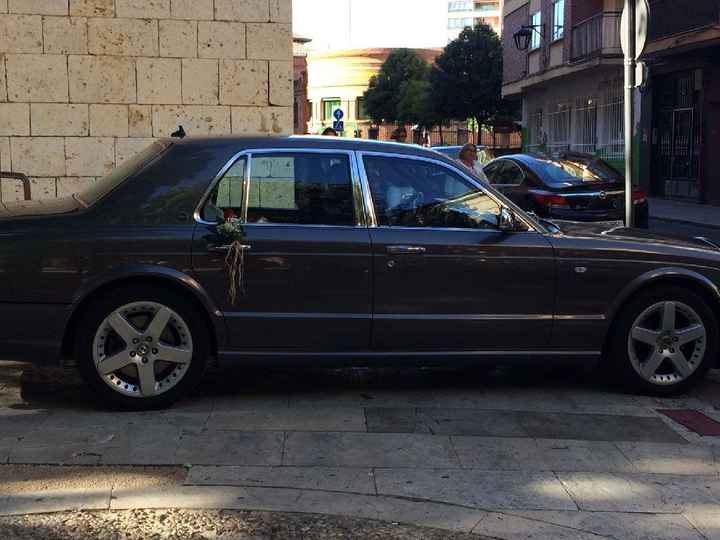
(504, 454)
(696, 214)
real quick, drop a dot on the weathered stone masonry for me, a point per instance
(84, 84)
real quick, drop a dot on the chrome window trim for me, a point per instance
(358, 203)
(519, 213)
(572, 195)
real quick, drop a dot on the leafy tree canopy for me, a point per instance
(388, 87)
(467, 77)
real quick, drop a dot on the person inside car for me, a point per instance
(469, 158)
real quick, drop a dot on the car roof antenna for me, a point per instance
(179, 134)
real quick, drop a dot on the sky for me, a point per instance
(350, 24)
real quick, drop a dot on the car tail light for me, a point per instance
(551, 200)
(639, 196)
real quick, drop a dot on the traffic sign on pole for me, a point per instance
(642, 16)
(338, 114)
(339, 126)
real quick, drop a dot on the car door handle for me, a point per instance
(218, 249)
(406, 250)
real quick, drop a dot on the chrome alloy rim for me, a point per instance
(142, 349)
(667, 343)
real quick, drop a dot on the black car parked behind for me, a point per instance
(572, 187)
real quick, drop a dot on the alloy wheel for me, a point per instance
(142, 349)
(667, 343)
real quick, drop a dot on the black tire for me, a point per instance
(102, 307)
(619, 356)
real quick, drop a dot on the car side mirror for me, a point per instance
(506, 221)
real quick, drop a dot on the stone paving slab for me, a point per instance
(615, 524)
(707, 522)
(527, 424)
(64, 446)
(293, 500)
(503, 526)
(287, 419)
(368, 450)
(597, 427)
(539, 455)
(664, 458)
(264, 448)
(92, 419)
(316, 478)
(605, 492)
(55, 501)
(481, 489)
(143, 445)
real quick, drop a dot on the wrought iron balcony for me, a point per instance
(598, 35)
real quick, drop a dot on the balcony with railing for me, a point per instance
(596, 36)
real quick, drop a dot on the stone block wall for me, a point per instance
(85, 84)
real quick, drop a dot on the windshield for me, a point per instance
(567, 170)
(97, 190)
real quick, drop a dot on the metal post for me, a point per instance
(630, 7)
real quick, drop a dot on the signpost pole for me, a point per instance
(630, 9)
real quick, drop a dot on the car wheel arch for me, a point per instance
(180, 284)
(679, 277)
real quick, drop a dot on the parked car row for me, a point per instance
(316, 251)
(569, 187)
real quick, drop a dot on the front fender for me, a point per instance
(658, 275)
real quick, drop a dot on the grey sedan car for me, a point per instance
(316, 251)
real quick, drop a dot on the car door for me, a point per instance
(305, 271)
(446, 277)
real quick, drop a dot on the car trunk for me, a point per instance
(602, 197)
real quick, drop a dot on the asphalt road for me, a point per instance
(685, 229)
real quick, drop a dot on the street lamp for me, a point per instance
(523, 36)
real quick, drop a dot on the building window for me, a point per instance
(460, 5)
(328, 108)
(535, 131)
(586, 126)
(309, 110)
(487, 7)
(612, 127)
(559, 132)
(558, 30)
(536, 21)
(460, 23)
(360, 111)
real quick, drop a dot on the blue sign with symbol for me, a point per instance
(338, 114)
(339, 126)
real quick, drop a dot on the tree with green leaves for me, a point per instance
(467, 77)
(416, 105)
(388, 87)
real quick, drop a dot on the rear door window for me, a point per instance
(301, 189)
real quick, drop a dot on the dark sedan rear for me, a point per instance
(572, 187)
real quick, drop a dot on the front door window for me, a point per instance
(420, 194)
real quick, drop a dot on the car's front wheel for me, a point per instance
(665, 340)
(141, 347)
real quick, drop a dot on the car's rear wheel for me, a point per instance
(665, 340)
(141, 347)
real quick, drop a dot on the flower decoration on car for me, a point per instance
(231, 233)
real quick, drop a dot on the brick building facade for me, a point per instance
(85, 84)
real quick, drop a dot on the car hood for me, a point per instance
(48, 207)
(616, 231)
